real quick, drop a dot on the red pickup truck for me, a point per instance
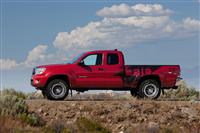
(105, 69)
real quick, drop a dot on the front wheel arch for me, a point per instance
(58, 76)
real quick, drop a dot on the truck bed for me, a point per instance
(167, 73)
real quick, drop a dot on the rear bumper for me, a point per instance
(175, 84)
(178, 81)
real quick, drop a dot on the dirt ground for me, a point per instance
(123, 115)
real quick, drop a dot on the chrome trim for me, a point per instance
(83, 76)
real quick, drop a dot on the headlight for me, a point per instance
(40, 70)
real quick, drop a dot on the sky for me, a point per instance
(37, 32)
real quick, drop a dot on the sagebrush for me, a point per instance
(12, 104)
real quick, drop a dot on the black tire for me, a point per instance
(149, 89)
(57, 89)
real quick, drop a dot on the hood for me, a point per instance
(53, 65)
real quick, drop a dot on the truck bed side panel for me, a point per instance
(166, 73)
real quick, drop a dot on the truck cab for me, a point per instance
(99, 69)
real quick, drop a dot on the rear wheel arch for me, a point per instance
(153, 77)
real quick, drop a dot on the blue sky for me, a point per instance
(36, 25)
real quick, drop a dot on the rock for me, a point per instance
(73, 104)
(40, 110)
(109, 120)
(46, 114)
(163, 120)
(153, 127)
(127, 106)
(189, 111)
(119, 126)
(102, 116)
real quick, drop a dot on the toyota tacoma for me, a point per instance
(104, 70)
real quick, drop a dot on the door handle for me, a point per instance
(82, 76)
(100, 69)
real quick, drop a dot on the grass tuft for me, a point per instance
(87, 125)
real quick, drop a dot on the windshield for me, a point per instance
(75, 59)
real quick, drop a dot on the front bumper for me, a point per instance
(38, 81)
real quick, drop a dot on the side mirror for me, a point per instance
(81, 63)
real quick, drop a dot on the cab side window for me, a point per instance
(112, 59)
(92, 60)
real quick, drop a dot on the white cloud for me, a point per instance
(124, 10)
(120, 32)
(191, 24)
(7, 63)
(112, 33)
(36, 54)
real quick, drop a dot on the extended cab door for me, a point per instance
(113, 70)
(90, 74)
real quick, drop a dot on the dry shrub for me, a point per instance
(8, 124)
(86, 125)
(13, 92)
(57, 126)
(184, 92)
(12, 104)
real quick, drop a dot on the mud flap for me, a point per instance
(71, 92)
(163, 92)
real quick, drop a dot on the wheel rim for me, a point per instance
(151, 90)
(58, 90)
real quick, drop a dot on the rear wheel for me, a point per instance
(149, 89)
(57, 89)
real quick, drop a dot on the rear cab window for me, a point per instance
(112, 59)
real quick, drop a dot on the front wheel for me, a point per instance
(149, 89)
(57, 89)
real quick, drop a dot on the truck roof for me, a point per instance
(104, 50)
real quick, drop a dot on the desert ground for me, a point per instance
(124, 116)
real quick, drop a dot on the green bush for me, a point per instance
(12, 105)
(32, 119)
(87, 125)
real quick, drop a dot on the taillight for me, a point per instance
(174, 70)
